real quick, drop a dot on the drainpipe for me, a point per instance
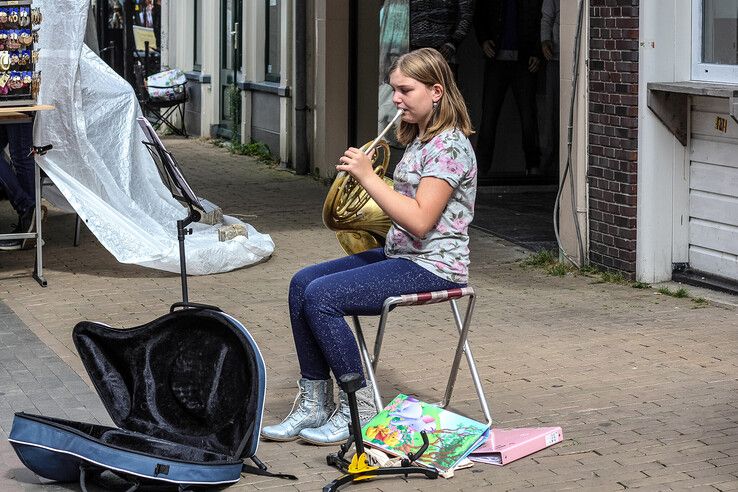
(302, 165)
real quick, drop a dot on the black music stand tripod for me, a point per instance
(358, 469)
(181, 191)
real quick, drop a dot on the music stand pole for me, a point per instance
(181, 192)
(181, 233)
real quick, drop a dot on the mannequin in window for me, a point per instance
(440, 24)
(509, 32)
(550, 46)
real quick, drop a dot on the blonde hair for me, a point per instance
(429, 67)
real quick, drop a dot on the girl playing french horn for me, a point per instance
(427, 247)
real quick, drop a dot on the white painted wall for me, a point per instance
(330, 93)
(578, 171)
(665, 56)
(286, 79)
(210, 114)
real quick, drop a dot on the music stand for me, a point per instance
(175, 180)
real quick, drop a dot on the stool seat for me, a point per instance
(432, 297)
(418, 299)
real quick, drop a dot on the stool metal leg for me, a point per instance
(388, 303)
(367, 363)
(464, 346)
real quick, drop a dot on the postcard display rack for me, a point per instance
(19, 81)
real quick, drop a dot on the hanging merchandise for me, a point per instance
(19, 82)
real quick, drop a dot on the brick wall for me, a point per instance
(613, 134)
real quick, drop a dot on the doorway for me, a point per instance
(230, 66)
(513, 202)
(124, 28)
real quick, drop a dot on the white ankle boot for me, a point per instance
(336, 430)
(312, 408)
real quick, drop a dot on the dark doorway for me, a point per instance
(230, 66)
(512, 202)
(129, 32)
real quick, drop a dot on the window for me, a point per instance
(197, 37)
(715, 40)
(273, 37)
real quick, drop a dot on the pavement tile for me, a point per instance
(643, 384)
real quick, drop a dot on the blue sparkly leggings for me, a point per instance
(321, 295)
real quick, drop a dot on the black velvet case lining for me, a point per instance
(188, 377)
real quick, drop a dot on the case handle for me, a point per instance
(193, 305)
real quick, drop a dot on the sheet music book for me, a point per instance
(451, 437)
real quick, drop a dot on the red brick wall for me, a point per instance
(613, 134)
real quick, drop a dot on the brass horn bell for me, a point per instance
(348, 209)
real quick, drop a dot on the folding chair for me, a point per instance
(161, 110)
(451, 296)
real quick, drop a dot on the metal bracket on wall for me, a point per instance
(669, 101)
(672, 109)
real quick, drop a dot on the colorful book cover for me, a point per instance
(451, 437)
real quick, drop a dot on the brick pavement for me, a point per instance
(643, 384)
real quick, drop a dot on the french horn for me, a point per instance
(348, 209)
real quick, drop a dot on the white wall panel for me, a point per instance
(721, 264)
(717, 237)
(715, 208)
(713, 189)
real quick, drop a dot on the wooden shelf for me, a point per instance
(669, 101)
(23, 109)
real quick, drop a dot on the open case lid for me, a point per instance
(194, 377)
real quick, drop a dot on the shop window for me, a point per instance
(197, 36)
(273, 38)
(715, 40)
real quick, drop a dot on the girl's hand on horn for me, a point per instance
(356, 163)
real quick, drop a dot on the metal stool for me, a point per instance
(452, 296)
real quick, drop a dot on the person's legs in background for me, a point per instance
(496, 82)
(524, 90)
(3, 163)
(18, 178)
(20, 140)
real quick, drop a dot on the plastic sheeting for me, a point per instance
(100, 165)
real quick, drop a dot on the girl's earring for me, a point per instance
(435, 105)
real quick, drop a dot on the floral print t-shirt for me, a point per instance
(444, 251)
